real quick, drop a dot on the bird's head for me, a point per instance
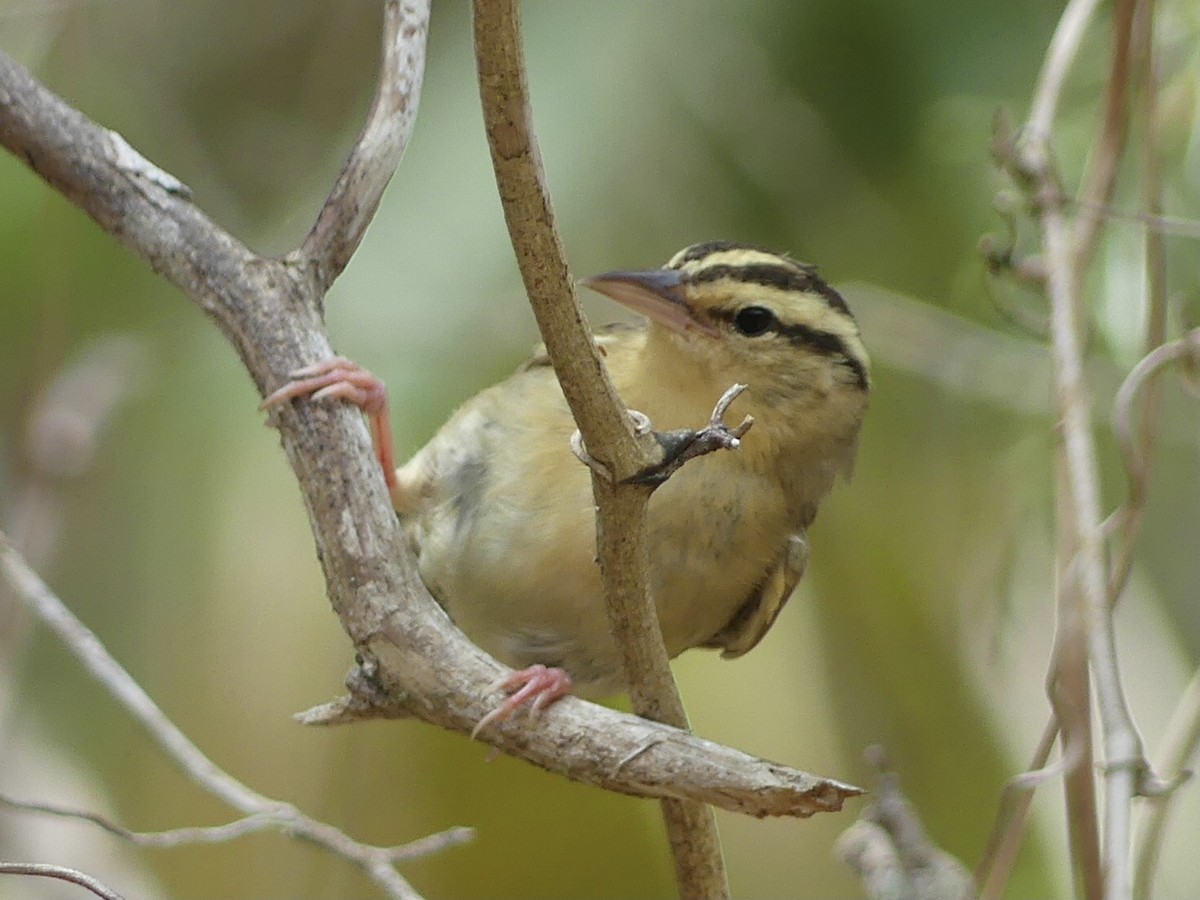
(748, 315)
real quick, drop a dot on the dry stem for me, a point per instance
(62, 873)
(1085, 585)
(606, 428)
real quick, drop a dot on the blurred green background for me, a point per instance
(851, 134)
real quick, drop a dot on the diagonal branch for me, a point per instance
(376, 862)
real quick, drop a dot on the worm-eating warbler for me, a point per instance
(500, 513)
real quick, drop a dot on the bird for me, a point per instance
(500, 513)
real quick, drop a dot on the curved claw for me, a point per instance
(336, 377)
(538, 685)
(344, 379)
(641, 425)
(587, 459)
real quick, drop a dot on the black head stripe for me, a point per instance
(829, 344)
(817, 340)
(787, 276)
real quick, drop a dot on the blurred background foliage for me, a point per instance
(849, 133)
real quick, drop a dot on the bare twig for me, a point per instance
(891, 852)
(376, 862)
(270, 312)
(45, 870)
(1124, 765)
(1179, 746)
(1126, 522)
(1012, 815)
(230, 831)
(607, 430)
(351, 205)
(1097, 188)
(1060, 56)
(687, 443)
(1071, 699)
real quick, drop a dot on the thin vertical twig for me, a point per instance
(1012, 815)
(1124, 760)
(1060, 56)
(1098, 587)
(1179, 745)
(1138, 451)
(1071, 698)
(1098, 183)
(603, 422)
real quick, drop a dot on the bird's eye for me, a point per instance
(754, 320)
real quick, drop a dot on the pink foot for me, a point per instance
(345, 380)
(540, 684)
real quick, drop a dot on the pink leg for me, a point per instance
(346, 380)
(540, 684)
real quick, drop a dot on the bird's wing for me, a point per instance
(755, 617)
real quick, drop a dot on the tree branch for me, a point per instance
(270, 311)
(606, 429)
(351, 204)
(262, 811)
(605, 425)
(1012, 815)
(1096, 190)
(1125, 524)
(1125, 763)
(230, 831)
(62, 873)
(1179, 745)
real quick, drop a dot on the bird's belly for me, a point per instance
(713, 537)
(522, 581)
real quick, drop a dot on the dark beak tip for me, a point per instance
(659, 281)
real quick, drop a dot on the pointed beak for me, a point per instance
(657, 294)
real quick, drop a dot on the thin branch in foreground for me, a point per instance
(606, 428)
(1012, 815)
(262, 811)
(1179, 746)
(1128, 519)
(238, 828)
(1130, 440)
(892, 854)
(1069, 692)
(1101, 177)
(1125, 765)
(45, 870)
